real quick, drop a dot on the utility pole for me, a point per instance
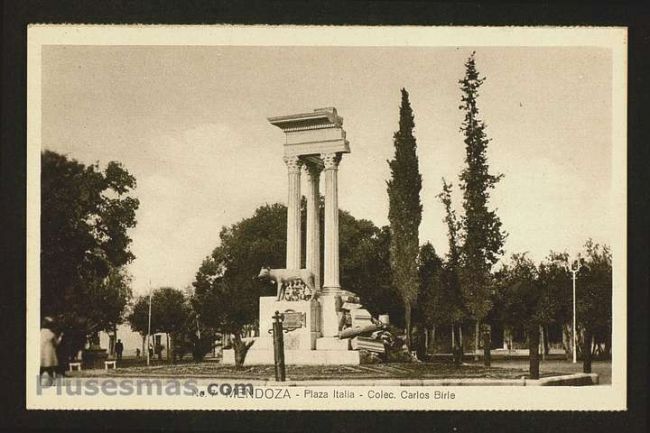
(149, 328)
(574, 268)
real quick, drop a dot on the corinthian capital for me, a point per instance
(331, 160)
(293, 164)
(313, 169)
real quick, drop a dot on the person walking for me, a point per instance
(119, 348)
(50, 339)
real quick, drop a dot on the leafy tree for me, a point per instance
(86, 214)
(405, 212)
(431, 296)
(193, 338)
(594, 300)
(138, 317)
(483, 238)
(113, 294)
(225, 290)
(365, 266)
(555, 280)
(451, 303)
(523, 302)
(169, 314)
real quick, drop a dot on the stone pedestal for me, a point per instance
(303, 344)
(332, 343)
(300, 338)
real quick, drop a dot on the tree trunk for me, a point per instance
(241, 349)
(407, 320)
(476, 337)
(542, 343)
(586, 350)
(547, 345)
(168, 351)
(533, 347)
(426, 340)
(433, 338)
(172, 347)
(457, 350)
(567, 342)
(487, 343)
(453, 338)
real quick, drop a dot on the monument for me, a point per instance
(312, 307)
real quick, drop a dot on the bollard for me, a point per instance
(278, 347)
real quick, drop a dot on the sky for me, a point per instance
(190, 124)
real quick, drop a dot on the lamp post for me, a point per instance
(574, 268)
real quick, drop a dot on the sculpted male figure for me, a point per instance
(282, 276)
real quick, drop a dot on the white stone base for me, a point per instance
(332, 343)
(329, 316)
(292, 357)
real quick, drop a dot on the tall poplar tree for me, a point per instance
(453, 306)
(483, 238)
(405, 212)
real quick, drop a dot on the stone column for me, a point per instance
(313, 221)
(331, 284)
(293, 213)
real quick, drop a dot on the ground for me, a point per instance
(602, 368)
(512, 369)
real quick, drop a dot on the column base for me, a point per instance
(329, 325)
(331, 290)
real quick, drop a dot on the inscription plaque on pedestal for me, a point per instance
(293, 320)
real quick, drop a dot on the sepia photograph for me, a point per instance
(326, 218)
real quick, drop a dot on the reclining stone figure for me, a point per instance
(283, 276)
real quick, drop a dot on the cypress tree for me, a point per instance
(483, 238)
(405, 212)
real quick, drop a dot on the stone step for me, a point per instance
(332, 343)
(298, 357)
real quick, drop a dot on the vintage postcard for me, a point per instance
(326, 218)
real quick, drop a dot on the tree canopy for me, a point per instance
(594, 292)
(86, 214)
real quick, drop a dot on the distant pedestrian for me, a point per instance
(159, 350)
(50, 339)
(150, 351)
(119, 348)
(137, 353)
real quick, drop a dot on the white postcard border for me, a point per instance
(466, 398)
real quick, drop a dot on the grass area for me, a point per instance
(211, 369)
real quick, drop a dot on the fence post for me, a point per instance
(278, 347)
